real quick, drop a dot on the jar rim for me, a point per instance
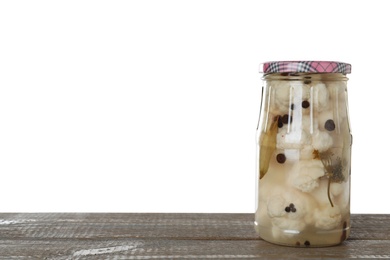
(305, 66)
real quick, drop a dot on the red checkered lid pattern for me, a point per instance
(305, 66)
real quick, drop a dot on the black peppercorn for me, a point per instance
(305, 104)
(286, 119)
(281, 158)
(307, 243)
(329, 125)
(280, 123)
(287, 209)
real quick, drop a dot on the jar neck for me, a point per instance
(306, 76)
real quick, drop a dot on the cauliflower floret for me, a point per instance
(336, 111)
(336, 189)
(276, 206)
(320, 97)
(290, 212)
(310, 125)
(281, 96)
(339, 194)
(305, 183)
(300, 92)
(305, 175)
(338, 94)
(336, 85)
(305, 92)
(307, 152)
(321, 141)
(284, 93)
(292, 155)
(320, 194)
(324, 116)
(328, 218)
(292, 140)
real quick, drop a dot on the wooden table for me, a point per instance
(169, 236)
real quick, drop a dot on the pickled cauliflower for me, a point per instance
(305, 175)
(303, 199)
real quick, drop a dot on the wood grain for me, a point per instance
(169, 236)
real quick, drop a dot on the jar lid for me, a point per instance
(305, 66)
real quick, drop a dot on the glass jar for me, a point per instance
(303, 154)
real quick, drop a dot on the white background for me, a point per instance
(151, 106)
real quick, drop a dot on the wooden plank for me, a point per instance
(138, 225)
(169, 236)
(183, 249)
(370, 226)
(131, 225)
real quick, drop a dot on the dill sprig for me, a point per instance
(333, 169)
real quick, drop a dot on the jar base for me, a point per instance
(308, 238)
